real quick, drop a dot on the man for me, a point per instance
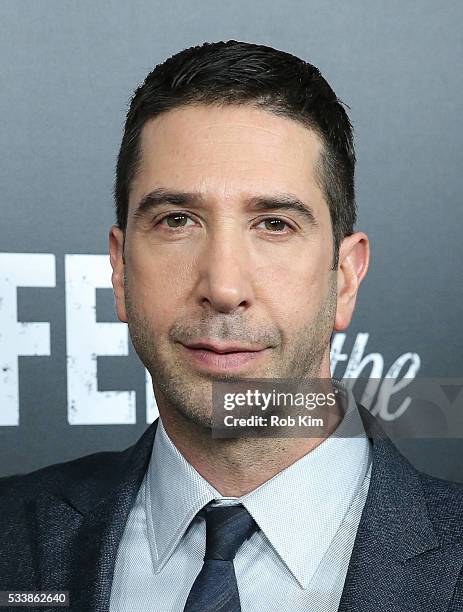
(234, 257)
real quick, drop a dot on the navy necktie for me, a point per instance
(215, 588)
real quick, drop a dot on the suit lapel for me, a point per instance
(78, 534)
(397, 562)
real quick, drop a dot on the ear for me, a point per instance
(116, 256)
(354, 258)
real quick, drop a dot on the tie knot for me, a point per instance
(227, 527)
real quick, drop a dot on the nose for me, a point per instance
(225, 271)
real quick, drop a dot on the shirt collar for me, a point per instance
(175, 493)
(309, 498)
(312, 496)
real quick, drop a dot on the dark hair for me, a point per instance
(235, 72)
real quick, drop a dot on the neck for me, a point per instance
(236, 466)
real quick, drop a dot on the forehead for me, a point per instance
(225, 151)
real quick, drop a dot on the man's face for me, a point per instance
(221, 266)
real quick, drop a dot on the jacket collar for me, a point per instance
(397, 562)
(78, 534)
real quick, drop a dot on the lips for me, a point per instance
(222, 357)
(222, 349)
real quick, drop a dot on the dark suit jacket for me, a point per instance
(60, 528)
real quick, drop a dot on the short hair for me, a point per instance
(237, 73)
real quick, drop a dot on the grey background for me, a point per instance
(68, 70)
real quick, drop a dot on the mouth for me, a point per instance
(221, 358)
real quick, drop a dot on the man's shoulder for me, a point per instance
(81, 483)
(90, 472)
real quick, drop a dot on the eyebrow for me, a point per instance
(281, 201)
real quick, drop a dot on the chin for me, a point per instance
(202, 420)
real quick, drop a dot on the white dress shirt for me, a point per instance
(308, 515)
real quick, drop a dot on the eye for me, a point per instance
(275, 225)
(175, 220)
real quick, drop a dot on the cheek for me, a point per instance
(294, 288)
(158, 281)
